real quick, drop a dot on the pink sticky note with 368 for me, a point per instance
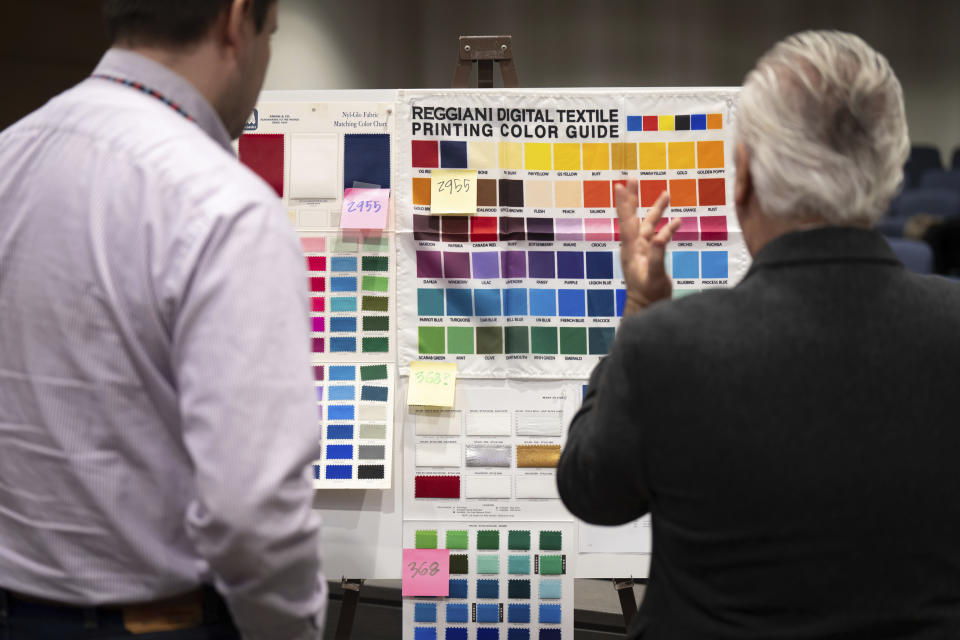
(364, 208)
(426, 572)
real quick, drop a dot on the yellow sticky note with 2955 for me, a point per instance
(432, 384)
(453, 191)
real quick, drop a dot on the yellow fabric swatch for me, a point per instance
(653, 156)
(566, 156)
(665, 123)
(537, 156)
(511, 155)
(681, 155)
(623, 156)
(596, 156)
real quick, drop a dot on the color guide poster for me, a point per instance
(508, 581)
(493, 456)
(531, 285)
(310, 153)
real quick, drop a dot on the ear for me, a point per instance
(235, 28)
(743, 187)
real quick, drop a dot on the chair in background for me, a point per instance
(922, 158)
(916, 256)
(937, 202)
(955, 161)
(941, 179)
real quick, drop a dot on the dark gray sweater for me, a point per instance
(797, 441)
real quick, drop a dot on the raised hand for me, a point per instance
(642, 248)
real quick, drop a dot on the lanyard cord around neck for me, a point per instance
(147, 90)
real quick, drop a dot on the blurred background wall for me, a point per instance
(47, 45)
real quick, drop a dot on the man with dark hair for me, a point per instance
(157, 410)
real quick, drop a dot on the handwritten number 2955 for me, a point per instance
(423, 569)
(454, 185)
(364, 206)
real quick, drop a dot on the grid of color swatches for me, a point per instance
(682, 122)
(349, 294)
(355, 405)
(505, 584)
(559, 156)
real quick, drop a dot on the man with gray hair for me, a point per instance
(794, 438)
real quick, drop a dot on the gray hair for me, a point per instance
(823, 118)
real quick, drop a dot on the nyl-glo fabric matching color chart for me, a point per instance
(493, 456)
(310, 153)
(531, 285)
(507, 582)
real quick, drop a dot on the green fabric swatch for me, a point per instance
(489, 340)
(427, 539)
(457, 540)
(518, 564)
(551, 565)
(460, 340)
(517, 339)
(488, 563)
(488, 539)
(377, 243)
(551, 540)
(458, 564)
(518, 540)
(376, 303)
(375, 263)
(376, 323)
(376, 345)
(380, 283)
(373, 372)
(543, 339)
(573, 340)
(430, 340)
(345, 245)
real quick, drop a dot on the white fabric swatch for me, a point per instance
(488, 456)
(437, 423)
(314, 162)
(318, 218)
(539, 423)
(537, 487)
(437, 454)
(486, 487)
(373, 412)
(488, 423)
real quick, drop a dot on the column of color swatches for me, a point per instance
(349, 285)
(507, 582)
(355, 409)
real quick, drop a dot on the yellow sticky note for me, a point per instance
(453, 191)
(432, 384)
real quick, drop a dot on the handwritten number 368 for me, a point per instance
(423, 569)
(433, 377)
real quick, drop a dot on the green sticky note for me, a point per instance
(376, 283)
(457, 539)
(459, 340)
(573, 340)
(373, 372)
(458, 564)
(518, 565)
(376, 303)
(518, 540)
(376, 243)
(376, 345)
(375, 263)
(488, 564)
(543, 340)
(551, 565)
(489, 340)
(488, 539)
(517, 339)
(427, 539)
(551, 540)
(430, 340)
(376, 323)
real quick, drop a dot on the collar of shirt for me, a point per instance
(128, 65)
(825, 244)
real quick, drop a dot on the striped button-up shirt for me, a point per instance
(157, 414)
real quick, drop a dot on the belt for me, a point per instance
(192, 609)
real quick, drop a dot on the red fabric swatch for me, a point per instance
(263, 153)
(437, 487)
(425, 153)
(483, 229)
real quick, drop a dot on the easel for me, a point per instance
(348, 608)
(484, 50)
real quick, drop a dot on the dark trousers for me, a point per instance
(22, 619)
